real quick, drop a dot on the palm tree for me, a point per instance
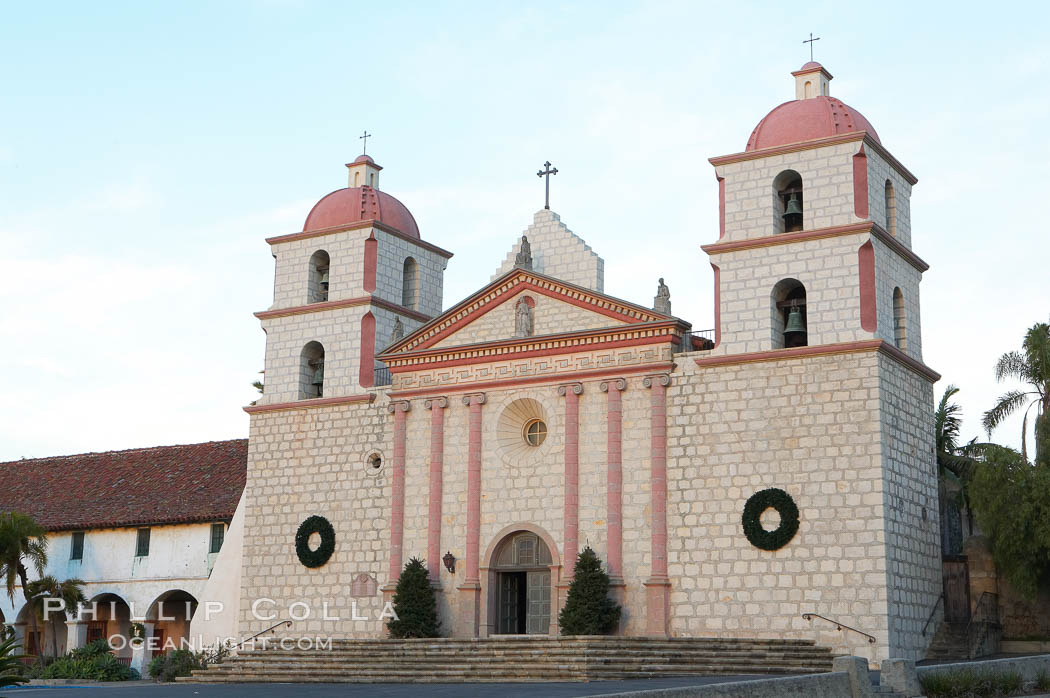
(23, 542)
(1031, 365)
(70, 592)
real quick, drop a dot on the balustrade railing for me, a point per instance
(839, 626)
(698, 340)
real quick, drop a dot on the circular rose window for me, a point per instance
(534, 432)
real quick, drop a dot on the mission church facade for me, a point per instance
(540, 415)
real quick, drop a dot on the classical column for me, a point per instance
(400, 409)
(437, 407)
(470, 590)
(614, 486)
(658, 586)
(571, 510)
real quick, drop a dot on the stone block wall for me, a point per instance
(828, 268)
(392, 251)
(338, 331)
(557, 252)
(913, 536)
(892, 271)
(751, 207)
(346, 272)
(879, 171)
(309, 462)
(811, 427)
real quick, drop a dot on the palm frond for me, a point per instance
(1007, 404)
(1012, 364)
(948, 418)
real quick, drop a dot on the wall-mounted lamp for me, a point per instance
(450, 562)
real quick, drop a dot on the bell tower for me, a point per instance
(815, 236)
(355, 277)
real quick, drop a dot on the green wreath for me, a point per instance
(756, 505)
(314, 558)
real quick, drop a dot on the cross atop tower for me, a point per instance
(810, 41)
(547, 172)
(364, 137)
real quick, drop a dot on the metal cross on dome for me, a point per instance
(364, 137)
(810, 41)
(547, 172)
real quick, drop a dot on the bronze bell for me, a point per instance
(324, 280)
(794, 207)
(795, 330)
(319, 375)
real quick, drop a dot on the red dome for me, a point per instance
(806, 119)
(347, 206)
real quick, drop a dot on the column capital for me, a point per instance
(439, 402)
(663, 379)
(616, 383)
(474, 399)
(576, 388)
(399, 406)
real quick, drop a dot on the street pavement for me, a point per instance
(375, 690)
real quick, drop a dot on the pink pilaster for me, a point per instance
(470, 590)
(397, 501)
(614, 478)
(658, 586)
(614, 491)
(437, 460)
(572, 394)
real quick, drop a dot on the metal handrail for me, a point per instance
(246, 640)
(839, 626)
(979, 606)
(933, 612)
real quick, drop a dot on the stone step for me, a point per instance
(519, 659)
(500, 675)
(439, 653)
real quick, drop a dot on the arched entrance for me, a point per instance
(520, 585)
(170, 615)
(109, 615)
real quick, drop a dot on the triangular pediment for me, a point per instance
(489, 315)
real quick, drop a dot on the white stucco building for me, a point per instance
(147, 530)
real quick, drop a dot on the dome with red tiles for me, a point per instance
(355, 204)
(813, 114)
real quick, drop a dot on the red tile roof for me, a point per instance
(143, 486)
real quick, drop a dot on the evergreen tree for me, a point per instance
(414, 604)
(588, 609)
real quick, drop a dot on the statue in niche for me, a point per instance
(662, 301)
(523, 318)
(524, 257)
(398, 332)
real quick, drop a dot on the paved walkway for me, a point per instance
(377, 690)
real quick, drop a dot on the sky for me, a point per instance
(147, 149)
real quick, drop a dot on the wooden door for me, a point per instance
(159, 634)
(509, 592)
(956, 590)
(96, 630)
(539, 602)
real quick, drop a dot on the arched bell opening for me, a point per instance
(318, 281)
(522, 573)
(311, 371)
(410, 284)
(789, 201)
(790, 321)
(891, 209)
(900, 320)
